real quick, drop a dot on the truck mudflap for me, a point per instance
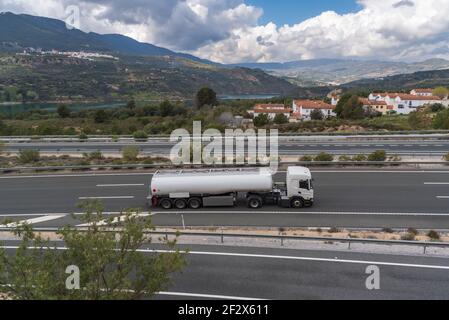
(154, 202)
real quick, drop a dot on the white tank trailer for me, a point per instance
(194, 189)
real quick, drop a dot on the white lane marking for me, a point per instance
(32, 221)
(151, 174)
(208, 296)
(116, 220)
(278, 257)
(436, 183)
(106, 198)
(443, 197)
(310, 213)
(378, 171)
(263, 256)
(78, 175)
(120, 185)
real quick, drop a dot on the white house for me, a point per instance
(404, 103)
(422, 92)
(302, 109)
(272, 110)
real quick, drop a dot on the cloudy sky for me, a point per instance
(233, 31)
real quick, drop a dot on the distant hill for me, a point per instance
(336, 72)
(18, 32)
(56, 77)
(137, 68)
(423, 79)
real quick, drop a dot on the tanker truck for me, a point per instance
(194, 189)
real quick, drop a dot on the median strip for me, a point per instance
(106, 198)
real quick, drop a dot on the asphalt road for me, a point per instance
(399, 147)
(353, 199)
(215, 272)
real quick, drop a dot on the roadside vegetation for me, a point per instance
(32, 158)
(101, 263)
(141, 119)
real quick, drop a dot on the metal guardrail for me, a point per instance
(280, 238)
(171, 166)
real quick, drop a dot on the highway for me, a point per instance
(293, 147)
(220, 272)
(344, 198)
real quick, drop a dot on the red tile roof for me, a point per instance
(367, 102)
(314, 104)
(271, 108)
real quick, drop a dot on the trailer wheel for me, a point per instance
(166, 204)
(297, 203)
(255, 202)
(180, 204)
(195, 203)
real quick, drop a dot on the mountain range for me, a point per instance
(137, 68)
(324, 72)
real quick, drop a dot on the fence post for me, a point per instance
(282, 240)
(425, 249)
(349, 245)
(222, 236)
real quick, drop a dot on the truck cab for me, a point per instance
(299, 187)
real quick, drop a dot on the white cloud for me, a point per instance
(228, 30)
(386, 29)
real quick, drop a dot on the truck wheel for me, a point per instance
(166, 204)
(255, 202)
(180, 204)
(297, 203)
(195, 203)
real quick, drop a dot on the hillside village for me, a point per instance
(379, 104)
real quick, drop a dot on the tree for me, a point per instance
(206, 97)
(261, 120)
(100, 116)
(280, 118)
(131, 104)
(419, 120)
(130, 153)
(63, 111)
(106, 256)
(316, 114)
(437, 107)
(353, 109)
(324, 157)
(441, 92)
(441, 120)
(166, 108)
(341, 103)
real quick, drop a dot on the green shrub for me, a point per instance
(306, 159)
(324, 157)
(140, 135)
(344, 158)
(413, 231)
(83, 137)
(29, 156)
(378, 156)
(96, 155)
(387, 230)
(130, 153)
(359, 158)
(433, 235)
